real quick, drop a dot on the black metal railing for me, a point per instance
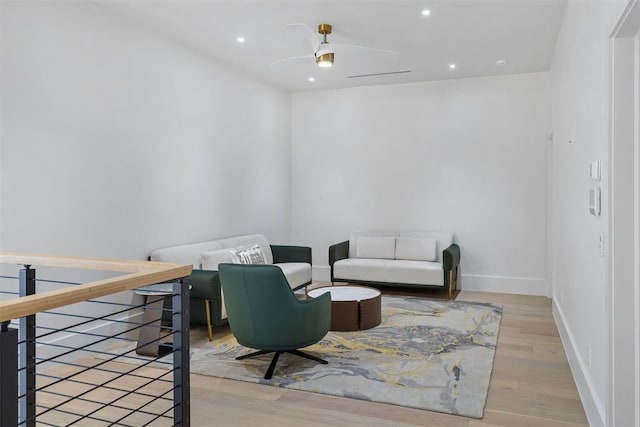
(112, 361)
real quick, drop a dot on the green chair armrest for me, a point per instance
(289, 253)
(338, 251)
(205, 284)
(451, 257)
(297, 323)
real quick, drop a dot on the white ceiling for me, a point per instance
(473, 34)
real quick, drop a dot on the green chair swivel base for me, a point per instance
(264, 314)
(272, 365)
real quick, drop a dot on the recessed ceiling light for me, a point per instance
(426, 12)
(501, 62)
(240, 39)
(311, 79)
(452, 66)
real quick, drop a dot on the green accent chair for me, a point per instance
(264, 314)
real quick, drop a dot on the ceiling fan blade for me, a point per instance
(310, 34)
(355, 46)
(291, 58)
(386, 73)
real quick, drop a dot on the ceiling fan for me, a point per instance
(323, 51)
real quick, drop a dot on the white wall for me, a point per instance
(580, 104)
(467, 156)
(116, 141)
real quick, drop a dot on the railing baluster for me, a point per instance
(8, 376)
(181, 382)
(27, 351)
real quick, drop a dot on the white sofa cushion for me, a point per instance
(374, 270)
(415, 249)
(355, 236)
(210, 260)
(390, 271)
(379, 247)
(443, 240)
(185, 254)
(250, 240)
(415, 272)
(297, 273)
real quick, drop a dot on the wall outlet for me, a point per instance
(588, 356)
(594, 201)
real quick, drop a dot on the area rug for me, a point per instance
(433, 355)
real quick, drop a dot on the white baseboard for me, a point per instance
(593, 408)
(504, 284)
(475, 282)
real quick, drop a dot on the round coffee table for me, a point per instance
(352, 307)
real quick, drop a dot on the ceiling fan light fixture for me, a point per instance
(325, 60)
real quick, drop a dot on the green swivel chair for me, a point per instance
(264, 314)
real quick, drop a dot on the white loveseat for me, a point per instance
(399, 258)
(294, 261)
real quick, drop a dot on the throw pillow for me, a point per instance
(249, 255)
(211, 259)
(416, 249)
(380, 247)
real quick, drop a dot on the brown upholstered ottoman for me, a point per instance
(352, 307)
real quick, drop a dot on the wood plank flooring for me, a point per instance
(531, 385)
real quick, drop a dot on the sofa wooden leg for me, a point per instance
(207, 308)
(450, 282)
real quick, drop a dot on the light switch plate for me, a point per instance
(594, 170)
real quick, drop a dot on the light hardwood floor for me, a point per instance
(531, 385)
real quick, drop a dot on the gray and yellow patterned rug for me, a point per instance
(433, 355)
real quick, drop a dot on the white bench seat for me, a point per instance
(392, 271)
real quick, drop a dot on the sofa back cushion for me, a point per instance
(372, 244)
(211, 259)
(247, 241)
(185, 254)
(415, 249)
(443, 240)
(378, 247)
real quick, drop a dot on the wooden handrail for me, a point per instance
(140, 273)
